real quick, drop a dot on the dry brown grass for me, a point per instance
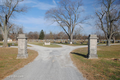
(9, 63)
(107, 67)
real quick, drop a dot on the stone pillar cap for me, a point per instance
(93, 36)
(21, 36)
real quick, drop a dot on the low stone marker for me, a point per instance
(22, 47)
(47, 43)
(68, 42)
(92, 47)
(12, 44)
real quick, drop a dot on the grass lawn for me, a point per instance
(9, 63)
(77, 44)
(29, 46)
(15, 44)
(42, 44)
(107, 67)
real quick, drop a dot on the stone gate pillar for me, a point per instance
(92, 47)
(22, 47)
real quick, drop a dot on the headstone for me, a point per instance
(98, 40)
(8, 45)
(92, 47)
(74, 42)
(47, 43)
(113, 41)
(66, 42)
(22, 47)
(70, 42)
(81, 42)
(12, 44)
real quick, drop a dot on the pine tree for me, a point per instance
(41, 36)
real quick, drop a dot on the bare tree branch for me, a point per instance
(1, 29)
(67, 15)
(8, 8)
(108, 17)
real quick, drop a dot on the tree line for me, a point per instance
(13, 34)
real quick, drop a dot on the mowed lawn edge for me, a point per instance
(106, 67)
(8, 62)
(48, 46)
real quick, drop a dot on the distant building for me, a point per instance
(9, 40)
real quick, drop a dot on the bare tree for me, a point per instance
(117, 36)
(33, 35)
(20, 30)
(77, 33)
(61, 35)
(100, 35)
(67, 15)
(30, 35)
(109, 16)
(36, 35)
(1, 37)
(14, 31)
(51, 35)
(7, 9)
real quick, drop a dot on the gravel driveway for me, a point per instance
(50, 64)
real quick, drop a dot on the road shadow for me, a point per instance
(79, 54)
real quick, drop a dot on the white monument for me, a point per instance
(70, 42)
(47, 43)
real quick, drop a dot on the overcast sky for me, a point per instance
(34, 18)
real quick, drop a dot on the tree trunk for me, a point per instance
(113, 39)
(108, 42)
(71, 37)
(5, 39)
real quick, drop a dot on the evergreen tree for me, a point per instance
(41, 36)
